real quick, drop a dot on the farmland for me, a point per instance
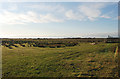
(59, 57)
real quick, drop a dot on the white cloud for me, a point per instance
(46, 7)
(46, 13)
(91, 11)
(87, 11)
(29, 17)
(49, 18)
(74, 16)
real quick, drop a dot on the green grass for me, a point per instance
(82, 60)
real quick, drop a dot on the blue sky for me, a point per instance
(58, 19)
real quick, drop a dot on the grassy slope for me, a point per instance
(78, 61)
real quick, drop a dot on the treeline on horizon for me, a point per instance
(54, 43)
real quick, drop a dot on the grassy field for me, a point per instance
(82, 60)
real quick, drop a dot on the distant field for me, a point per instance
(77, 59)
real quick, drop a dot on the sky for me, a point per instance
(58, 19)
(59, 0)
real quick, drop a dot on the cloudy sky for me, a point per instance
(58, 19)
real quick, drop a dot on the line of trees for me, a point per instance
(52, 43)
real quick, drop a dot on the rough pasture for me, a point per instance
(73, 59)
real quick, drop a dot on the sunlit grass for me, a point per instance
(82, 60)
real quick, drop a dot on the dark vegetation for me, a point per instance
(54, 43)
